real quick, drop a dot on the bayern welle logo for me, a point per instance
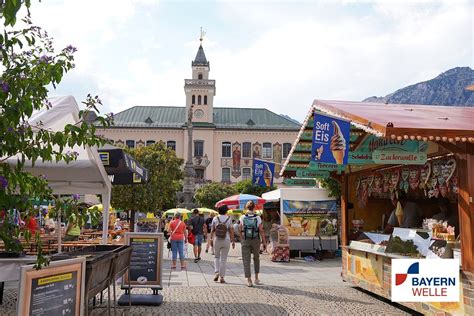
(425, 280)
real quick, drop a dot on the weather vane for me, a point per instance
(202, 35)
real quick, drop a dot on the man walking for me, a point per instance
(199, 229)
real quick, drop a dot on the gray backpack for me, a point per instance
(221, 228)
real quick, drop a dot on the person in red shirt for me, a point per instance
(178, 237)
(31, 224)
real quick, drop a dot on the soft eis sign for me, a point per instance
(425, 280)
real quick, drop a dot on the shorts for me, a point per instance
(198, 238)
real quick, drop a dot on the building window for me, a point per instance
(200, 76)
(267, 151)
(226, 175)
(193, 99)
(199, 174)
(150, 142)
(286, 149)
(247, 150)
(198, 148)
(130, 143)
(199, 100)
(205, 100)
(226, 150)
(171, 144)
(246, 173)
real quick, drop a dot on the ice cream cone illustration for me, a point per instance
(338, 144)
(267, 175)
(399, 213)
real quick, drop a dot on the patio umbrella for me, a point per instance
(238, 201)
(242, 212)
(208, 211)
(184, 212)
(100, 207)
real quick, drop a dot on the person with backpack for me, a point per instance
(251, 231)
(199, 229)
(222, 235)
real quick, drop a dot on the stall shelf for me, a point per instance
(448, 132)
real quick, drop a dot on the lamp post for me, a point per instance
(189, 173)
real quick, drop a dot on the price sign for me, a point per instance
(54, 290)
(300, 182)
(308, 173)
(146, 261)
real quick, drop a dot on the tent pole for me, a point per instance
(59, 230)
(105, 216)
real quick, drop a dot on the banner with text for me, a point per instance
(331, 139)
(263, 172)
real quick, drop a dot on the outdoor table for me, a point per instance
(10, 270)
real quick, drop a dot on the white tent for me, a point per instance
(85, 175)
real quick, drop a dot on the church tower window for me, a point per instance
(205, 100)
(200, 76)
(193, 99)
(199, 100)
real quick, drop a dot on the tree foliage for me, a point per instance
(209, 194)
(247, 187)
(159, 193)
(30, 67)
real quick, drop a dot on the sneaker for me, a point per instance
(196, 260)
(216, 277)
(207, 250)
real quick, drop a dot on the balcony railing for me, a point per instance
(199, 82)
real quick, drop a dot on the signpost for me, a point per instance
(146, 268)
(54, 290)
(300, 182)
(319, 166)
(309, 173)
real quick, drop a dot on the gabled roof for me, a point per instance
(224, 118)
(200, 59)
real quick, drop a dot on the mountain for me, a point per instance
(446, 89)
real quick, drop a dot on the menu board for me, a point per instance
(54, 290)
(146, 261)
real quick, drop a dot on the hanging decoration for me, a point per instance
(394, 178)
(425, 174)
(370, 182)
(377, 190)
(414, 178)
(386, 181)
(404, 181)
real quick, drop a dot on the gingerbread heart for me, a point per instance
(404, 181)
(448, 169)
(386, 182)
(394, 178)
(425, 174)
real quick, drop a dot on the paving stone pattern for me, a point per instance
(295, 288)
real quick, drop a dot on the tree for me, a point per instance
(209, 194)
(247, 187)
(30, 66)
(159, 193)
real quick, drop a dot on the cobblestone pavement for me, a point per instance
(296, 288)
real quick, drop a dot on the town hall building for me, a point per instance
(225, 140)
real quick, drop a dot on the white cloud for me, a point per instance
(291, 54)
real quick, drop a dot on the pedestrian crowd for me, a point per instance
(220, 232)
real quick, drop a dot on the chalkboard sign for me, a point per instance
(146, 261)
(54, 290)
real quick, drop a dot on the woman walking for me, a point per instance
(222, 235)
(251, 231)
(179, 237)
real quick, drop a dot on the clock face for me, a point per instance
(199, 113)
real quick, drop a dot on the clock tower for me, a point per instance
(200, 90)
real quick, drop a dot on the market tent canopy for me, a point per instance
(85, 175)
(121, 167)
(404, 120)
(238, 201)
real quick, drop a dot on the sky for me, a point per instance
(279, 55)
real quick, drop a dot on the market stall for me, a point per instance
(309, 215)
(407, 189)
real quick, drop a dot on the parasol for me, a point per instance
(173, 211)
(238, 201)
(207, 211)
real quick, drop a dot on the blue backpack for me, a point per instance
(250, 226)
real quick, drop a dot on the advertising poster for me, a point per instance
(369, 268)
(310, 218)
(263, 173)
(331, 140)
